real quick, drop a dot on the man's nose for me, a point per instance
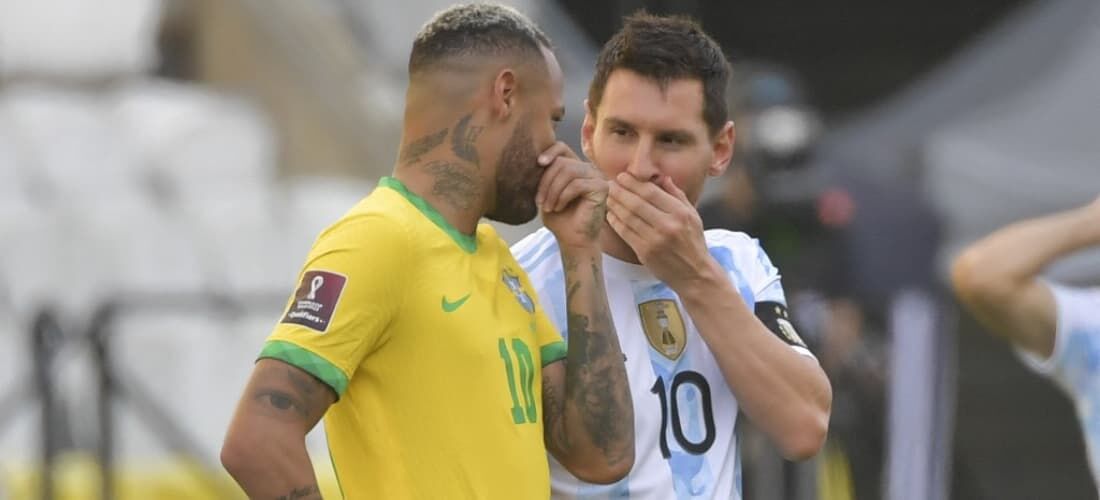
(642, 166)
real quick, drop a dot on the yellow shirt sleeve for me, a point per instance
(348, 291)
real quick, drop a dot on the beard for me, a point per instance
(517, 179)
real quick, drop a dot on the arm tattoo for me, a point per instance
(281, 401)
(307, 399)
(310, 492)
(463, 139)
(553, 408)
(595, 379)
(453, 184)
(308, 387)
(412, 151)
(595, 223)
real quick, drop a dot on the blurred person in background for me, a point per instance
(701, 316)
(771, 193)
(770, 190)
(413, 331)
(1054, 326)
(838, 235)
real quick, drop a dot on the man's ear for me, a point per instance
(723, 150)
(588, 129)
(504, 93)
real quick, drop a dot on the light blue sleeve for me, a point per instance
(1075, 362)
(767, 284)
(748, 265)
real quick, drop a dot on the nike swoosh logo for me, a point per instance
(452, 306)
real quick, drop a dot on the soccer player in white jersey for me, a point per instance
(682, 301)
(1055, 327)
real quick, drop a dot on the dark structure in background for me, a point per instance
(859, 258)
(851, 54)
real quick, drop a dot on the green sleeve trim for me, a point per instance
(552, 352)
(313, 364)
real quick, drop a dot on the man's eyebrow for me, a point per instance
(674, 133)
(613, 121)
(678, 134)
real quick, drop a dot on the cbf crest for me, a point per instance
(664, 327)
(516, 286)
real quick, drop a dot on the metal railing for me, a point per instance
(111, 387)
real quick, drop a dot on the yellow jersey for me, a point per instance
(434, 345)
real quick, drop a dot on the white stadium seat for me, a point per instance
(156, 115)
(130, 247)
(180, 361)
(229, 147)
(195, 141)
(244, 246)
(39, 265)
(147, 188)
(77, 38)
(314, 203)
(69, 143)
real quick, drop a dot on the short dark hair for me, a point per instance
(476, 29)
(666, 48)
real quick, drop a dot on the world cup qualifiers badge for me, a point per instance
(316, 299)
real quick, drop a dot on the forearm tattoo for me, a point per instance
(595, 223)
(595, 379)
(310, 492)
(557, 440)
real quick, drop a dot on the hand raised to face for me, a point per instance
(660, 224)
(572, 197)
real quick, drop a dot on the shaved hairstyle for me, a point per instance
(479, 29)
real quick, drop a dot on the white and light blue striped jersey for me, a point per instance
(1075, 362)
(684, 412)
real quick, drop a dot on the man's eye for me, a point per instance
(281, 402)
(277, 400)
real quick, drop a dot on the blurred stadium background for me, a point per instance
(166, 164)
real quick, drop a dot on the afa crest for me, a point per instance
(516, 286)
(664, 327)
(789, 332)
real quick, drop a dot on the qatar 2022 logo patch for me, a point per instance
(316, 299)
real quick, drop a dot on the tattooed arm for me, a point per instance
(588, 412)
(265, 448)
(589, 415)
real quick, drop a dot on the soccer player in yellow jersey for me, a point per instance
(415, 333)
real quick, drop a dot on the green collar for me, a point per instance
(466, 241)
